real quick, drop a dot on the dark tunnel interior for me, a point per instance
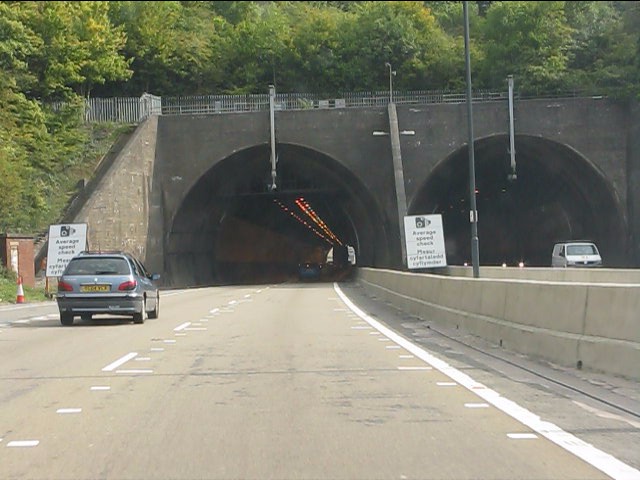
(557, 195)
(234, 229)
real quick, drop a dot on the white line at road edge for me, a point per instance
(602, 461)
(120, 361)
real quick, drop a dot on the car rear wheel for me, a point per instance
(156, 310)
(66, 319)
(141, 317)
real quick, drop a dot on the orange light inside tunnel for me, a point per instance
(306, 208)
(303, 222)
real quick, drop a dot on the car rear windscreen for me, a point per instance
(98, 266)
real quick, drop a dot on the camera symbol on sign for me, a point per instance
(422, 222)
(66, 230)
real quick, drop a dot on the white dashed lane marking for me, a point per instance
(69, 410)
(521, 436)
(23, 443)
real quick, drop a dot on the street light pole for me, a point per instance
(391, 75)
(473, 214)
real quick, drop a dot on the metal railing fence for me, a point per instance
(136, 109)
(207, 104)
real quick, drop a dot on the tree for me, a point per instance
(529, 40)
(257, 50)
(171, 45)
(604, 47)
(80, 47)
(406, 35)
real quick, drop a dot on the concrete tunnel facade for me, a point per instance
(206, 215)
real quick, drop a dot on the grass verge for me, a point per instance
(9, 292)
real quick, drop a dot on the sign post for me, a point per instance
(65, 242)
(425, 241)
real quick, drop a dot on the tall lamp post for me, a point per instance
(391, 75)
(473, 214)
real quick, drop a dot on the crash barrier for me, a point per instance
(594, 326)
(585, 275)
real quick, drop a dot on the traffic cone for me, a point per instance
(20, 296)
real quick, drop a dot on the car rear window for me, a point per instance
(98, 266)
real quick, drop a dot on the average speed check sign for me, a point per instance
(424, 237)
(65, 242)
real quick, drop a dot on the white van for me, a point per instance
(576, 253)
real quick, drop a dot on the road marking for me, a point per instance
(181, 334)
(393, 347)
(215, 310)
(143, 359)
(156, 349)
(182, 327)
(415, 368)
(522, 436)
(476, 405)
(446, 384)
(195, 329)
(603, 461)
(603, 414)
(134, 371)
(406, 356)
(360, 327)
(100, 388)
(170, 341)
(120, 361)
(68, 410)
(232, 302)
(374, 333)
(248, 295)
(23, 443)
(384, 340)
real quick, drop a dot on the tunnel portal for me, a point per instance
(557, 195)
(233, 229)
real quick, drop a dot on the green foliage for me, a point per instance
(529, 40)
(9, 289)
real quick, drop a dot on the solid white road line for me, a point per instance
(603, 461)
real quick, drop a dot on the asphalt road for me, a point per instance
(292, 381)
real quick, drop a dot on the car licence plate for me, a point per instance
(95, 288)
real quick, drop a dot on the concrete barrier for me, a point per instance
(594, 326)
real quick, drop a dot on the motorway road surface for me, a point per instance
(293, 381)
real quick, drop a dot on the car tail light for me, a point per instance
(128, 285)
(64, 286)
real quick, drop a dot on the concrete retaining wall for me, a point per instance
(117, 213)
(594, 326)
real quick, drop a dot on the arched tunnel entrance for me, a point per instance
(232, 229)
(558, 195)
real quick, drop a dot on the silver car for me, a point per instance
(114, 283)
